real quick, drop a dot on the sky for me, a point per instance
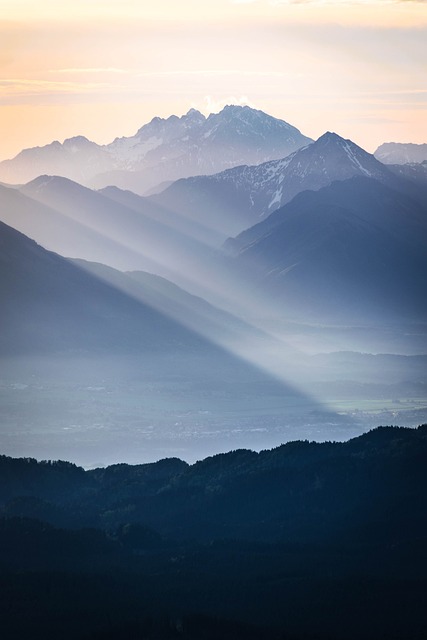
(103, 68)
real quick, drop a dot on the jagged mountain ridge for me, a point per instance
(240, 197)
(195, 145)
(401, 153)
(163, 149)
(415, 172)
(76, 158)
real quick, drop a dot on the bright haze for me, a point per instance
(104, 69)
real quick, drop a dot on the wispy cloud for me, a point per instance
(25, 91)
(213, 72)
(170, 72)
(72, 70)
(17, 83)
(328, 2)
(342, 2)
(212, 104)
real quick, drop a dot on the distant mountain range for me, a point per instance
(415, 172)
(162, 150)
(334, 219)
(401, 153)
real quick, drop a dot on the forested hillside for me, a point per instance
(306, 540)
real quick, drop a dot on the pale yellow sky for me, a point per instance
(104, 68)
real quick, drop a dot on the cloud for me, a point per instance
(15, 91)
(17, 83)
(344, 2)
(329, 2)
(214, 105)
(212, 72)
(90, 70)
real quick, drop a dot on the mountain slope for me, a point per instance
(415, 172)
(210, 235)
(50, 304)
(163, 149)
(240, 197)
(299, 492)
(174, 302)
(194, 145)
(355, 251)
(67, 234)
(76, 158)
(103, 230)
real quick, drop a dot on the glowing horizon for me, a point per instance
(102, 71)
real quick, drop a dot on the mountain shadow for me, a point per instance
(354, 251)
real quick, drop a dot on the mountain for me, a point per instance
(401, 153)
(172, 301)
(77, 228)
(77, 158)
(163, 149)
(415, 172)
(55, 304)
(194, 145)
(77, 222)
(355, 251)
(51, 305)
(238, 198)
(201, 231)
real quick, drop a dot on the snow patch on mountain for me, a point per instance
(351, 155)
(164, 149)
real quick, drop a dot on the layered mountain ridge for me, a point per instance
(163, 149)
(401, 153)
(50, 304)
(331, 196)
(241, 196)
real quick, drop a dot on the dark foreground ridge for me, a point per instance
(308, 540)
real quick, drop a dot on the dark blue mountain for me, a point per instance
(355, 250)
(236, 199)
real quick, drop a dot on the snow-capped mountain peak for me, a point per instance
(164, 149)
(194, 115)
(401, 153)
(244, 195)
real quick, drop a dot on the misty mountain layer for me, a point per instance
(163, 149)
